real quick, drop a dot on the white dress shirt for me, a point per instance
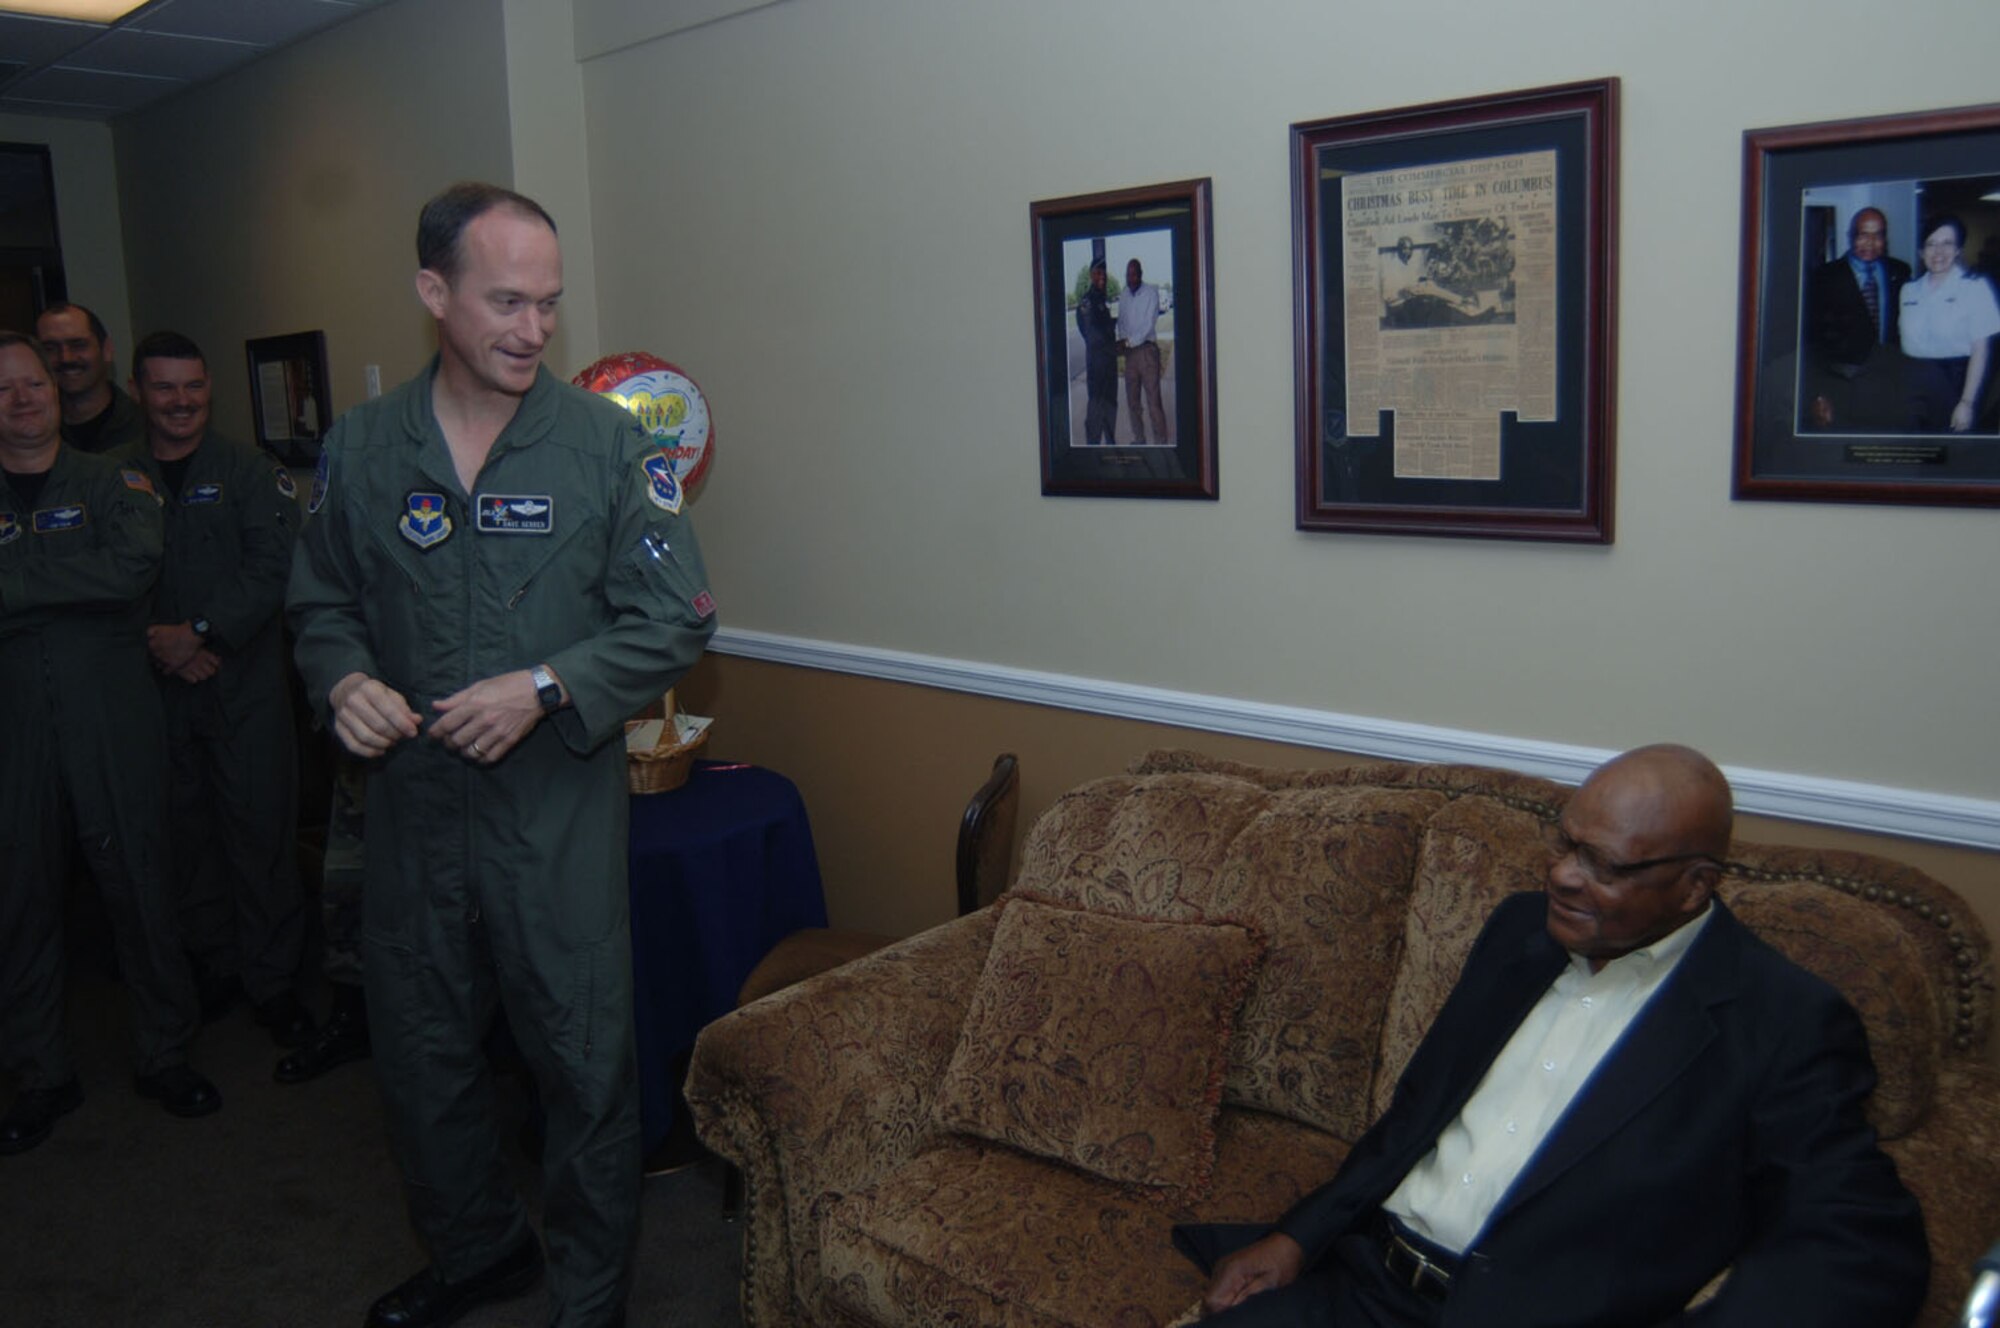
(1449, 1195)
(1138, 311)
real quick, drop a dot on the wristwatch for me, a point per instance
(546, 688)
(200, 627)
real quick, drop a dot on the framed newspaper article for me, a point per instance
(1125, 342)
(1454, 282)
(1867, 327)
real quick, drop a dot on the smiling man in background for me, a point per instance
(96, 416)
(83, 758)
(216, 643)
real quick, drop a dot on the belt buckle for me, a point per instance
(1425, 1277)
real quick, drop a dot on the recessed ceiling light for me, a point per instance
(93, 11)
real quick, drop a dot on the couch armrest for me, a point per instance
(825, 1086)
(1951, 1163)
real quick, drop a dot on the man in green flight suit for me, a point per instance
(80, 541)
(494, 575)
(96, 416)
(217, 645)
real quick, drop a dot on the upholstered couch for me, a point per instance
(1206, 980)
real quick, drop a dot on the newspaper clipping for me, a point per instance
(1450, 298)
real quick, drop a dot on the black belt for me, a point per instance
(1416, 1263)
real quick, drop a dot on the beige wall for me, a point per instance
(545, 111)
(86, 214)
(284, 197)
(886, 769)
(821, 211)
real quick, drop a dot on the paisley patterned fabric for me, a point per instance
(1877, 967)
(970, 1232)
(1325, 873)
(1099, 1041)
(1474, 855)
(1369, 883)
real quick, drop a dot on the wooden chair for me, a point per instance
(985, 856)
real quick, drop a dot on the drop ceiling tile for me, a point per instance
(85, 87)
(266, 23)
(187, 58)
(37, 41)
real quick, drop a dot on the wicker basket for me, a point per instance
(669, 763)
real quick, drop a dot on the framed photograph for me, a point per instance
(1125, 342)
(290, 403)
(1865, 342)
(1453, 271)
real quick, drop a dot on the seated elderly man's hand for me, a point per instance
(1268, 1264)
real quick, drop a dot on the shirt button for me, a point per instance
(1466, 1179)
(1585, 1002)
(1548, 1065)
(1513, 1128)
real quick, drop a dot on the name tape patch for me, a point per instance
(514, 513)
(72, 517)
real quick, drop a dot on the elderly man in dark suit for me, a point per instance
(1853, 358)
(1626, 1094)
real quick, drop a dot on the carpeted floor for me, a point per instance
(280, 1211)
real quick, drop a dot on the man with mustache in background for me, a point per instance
(96, 416)
(215, 642)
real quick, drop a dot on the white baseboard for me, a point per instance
(1876, 809)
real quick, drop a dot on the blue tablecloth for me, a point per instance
(722, 869)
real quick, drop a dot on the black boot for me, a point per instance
(342, 1038)
(34, 1114)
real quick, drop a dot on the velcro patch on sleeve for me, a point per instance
(662, 488)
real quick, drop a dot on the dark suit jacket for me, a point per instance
(1724, 1129)
(1842, 333)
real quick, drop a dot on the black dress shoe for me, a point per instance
(34, 1114)
(342, 1038)
(425, 1301)
(287, 1020)
(181, 1089)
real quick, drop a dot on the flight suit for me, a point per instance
(232, 749)
(120, 428)
(505, 882)
(83, 742)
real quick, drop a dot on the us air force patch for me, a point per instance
(321, 472)
(514, 513)
(661, 486)
(286, 484)
(424, 522)
(10, 527)
(73, 517)
(137, 480)
(202, 493)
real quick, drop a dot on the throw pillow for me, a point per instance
(1100, 1041)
